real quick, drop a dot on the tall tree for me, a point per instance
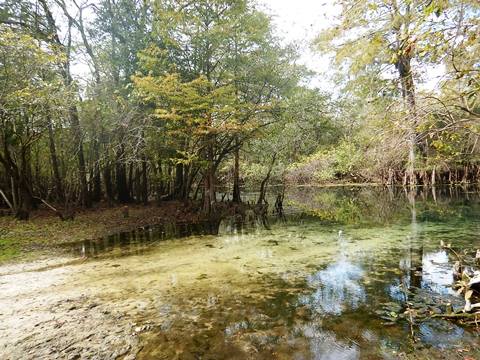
(393, 35)
(230, 46)
(32, 91)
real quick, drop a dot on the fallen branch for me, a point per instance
(449, 247)
(6, 200)
(475, 316)
(63, 216)
(49, 206)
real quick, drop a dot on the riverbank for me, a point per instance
(23, 240)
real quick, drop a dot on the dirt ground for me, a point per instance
(22, 240)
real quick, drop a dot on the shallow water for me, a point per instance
(311, 287)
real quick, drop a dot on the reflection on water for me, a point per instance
(134, 241)
(325, 345)
(385, 250)
(310, 287)
(441, 334)
(437, 272)
(336, 287)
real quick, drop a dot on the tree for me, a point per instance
(232, 75)
(32, 91)
(387, 36)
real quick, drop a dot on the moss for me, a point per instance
(44, 230)
(8, 249)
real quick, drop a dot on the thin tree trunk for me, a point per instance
(131, 178)
(97, 181)
(159, 188)
(121, 177)
(107, 177)
(136, 188)
(14, 192)
(178, 184)
(408, 93)
(236, 177)
(82, 169)
(56, 171)
(263, 186)
(209, 181)
(144, 191)
(73, 112)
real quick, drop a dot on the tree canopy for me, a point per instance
(182, 100)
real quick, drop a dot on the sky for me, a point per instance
(295, 21)
(299, 22)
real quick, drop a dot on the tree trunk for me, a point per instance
(130, 183)
(408, 93)
(209, 181)
(107, 176)
(262, 198)
(159, 188)
(97, 181)
(121, 178)
(26, 202)
(137, 188)
(22, 197)
(82, 171)
(56, 172)
(236, 177)
(191, 175)
(144, 191)
(178, 184)
(73, 112)
(24, 179)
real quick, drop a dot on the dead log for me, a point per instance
(6, 200)
(64, 216)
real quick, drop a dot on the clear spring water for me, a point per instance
(312, 286)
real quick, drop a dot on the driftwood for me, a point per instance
(64, 216)
(6, 200)
(467, 281)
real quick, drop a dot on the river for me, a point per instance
(313, 285)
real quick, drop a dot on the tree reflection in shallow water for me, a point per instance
(335, 287)
(324, 307)
(324, 345)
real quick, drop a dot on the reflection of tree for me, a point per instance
(135, 241)
(415, 252)
(324, 345)
(372, 205)
(338, 286)
(379, 206)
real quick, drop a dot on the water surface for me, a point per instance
(312, 286)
